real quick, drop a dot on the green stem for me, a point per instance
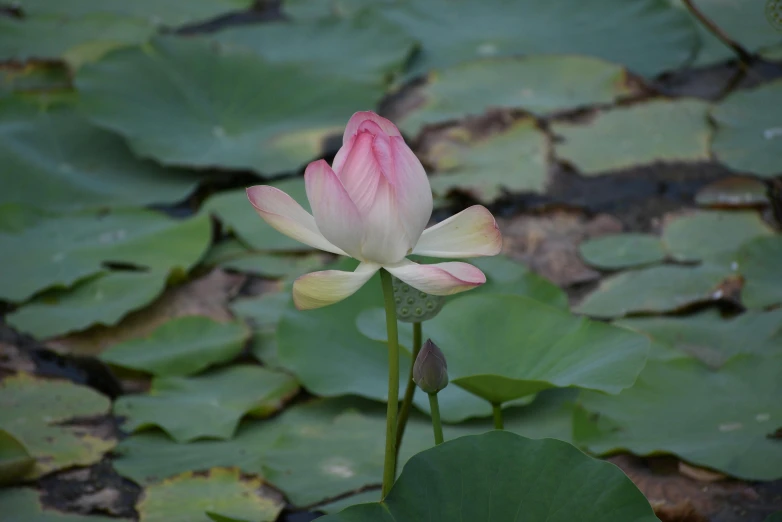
(497, 410)
(407, 402)
(436, 426)
(389, 465)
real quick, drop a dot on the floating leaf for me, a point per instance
(190, 498)
(502, 476)
(220, 109)
(34, 412)
(759, 262)
(622, 251)
(719, 420)
(749, 132)
(505, 276)
(210, 405)
(274, 265)
(733, 192)
(514, 160)
(103, 300)
(640, 134)
(58, 161)
(15, 461)
(52, 250)
(263, 313)
(182, 346)
(707, 234)
(25, 505)
(538, 84)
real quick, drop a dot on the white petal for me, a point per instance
(319, 289)
(280, 211)
(472, 232)
(413, 193)
(336, 215)
(385, 241)
(440, 278)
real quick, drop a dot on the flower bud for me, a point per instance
(415, 306)
(430, 371)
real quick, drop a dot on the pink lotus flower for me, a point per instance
(373, 204)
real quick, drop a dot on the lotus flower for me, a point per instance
(373, 204)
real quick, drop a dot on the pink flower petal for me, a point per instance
(411, 186)
(336, 215)
(360, 117)
(472, 232)
(360, 172)
(319, 289)
(439, 279)
(282, 213)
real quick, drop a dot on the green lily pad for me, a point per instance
(656, 289)
(104, 299)
(641, 134)
(180, 347)
(538, 84)
(649, 38)
(503, 347)
(514, 160)
(759, 261)
(622, 251)
(35, 77)
(210, 405)
(234, 210)
(708, 234)
(717, 419)
(502, 476)
(505, 276)
(749, 134)
(775, 517)
(25, 505)
(34, 412)
(60, 162)
(57, 251)
(233, 255)
(263, 313)
(193, 498)
(220, 109)
(15, 461)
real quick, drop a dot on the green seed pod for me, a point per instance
(430, 371)
(415, 306)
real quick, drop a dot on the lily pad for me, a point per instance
(502, 476)
(263, 314)
(34, 412)
(641, 134)
(25, 504)
(180, 347)
(622, 251)
(503, 347)
(505, 276)
(208, 406)
(15, 461)
(514, 160)
(708, 234)
(220, 109)
(59, 250)
(193, 498)
(538, 84)
(104, 299)
(717, 419)
(656, 289)
(60, 162)
(649, 38)
(759, 262)
(749, 134)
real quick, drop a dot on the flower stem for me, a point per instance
(497, 410)
(407, 402)
(436, 426)
(389, 465)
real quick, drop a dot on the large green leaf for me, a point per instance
(225, 106)
(35, 412)
(503, 347)
(640, 134)
(759, 262)
(748, 132)
(25, 506)
(500, 476)
(208, 406)
(538, 84)
(183, 346)
(59, 250)
(58, 161)
(263, 313)
(15, 461)
(719, 419)
(648, 36)
(622, 251)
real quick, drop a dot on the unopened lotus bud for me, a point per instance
(430, 371)
(415, 306)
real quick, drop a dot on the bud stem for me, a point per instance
(389, 465)
(407, 402)
(497, 410)
(436, 426)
